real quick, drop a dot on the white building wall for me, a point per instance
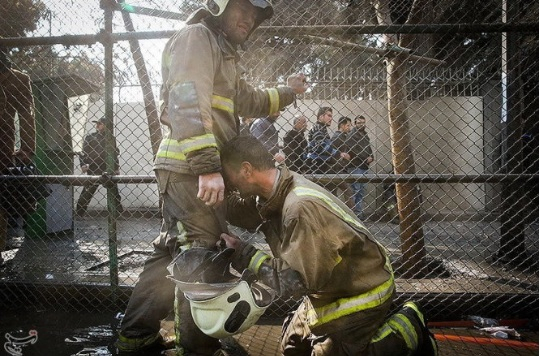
(446, 137)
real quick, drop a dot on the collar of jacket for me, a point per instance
(274, 204)
(321, 126)
(204, 17)
(355, 131)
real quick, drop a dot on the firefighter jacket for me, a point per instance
(15, 97)
(203, 96)
(313, 235)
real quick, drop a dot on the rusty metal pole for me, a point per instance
(111, 147)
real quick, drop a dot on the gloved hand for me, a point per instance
(243, 252)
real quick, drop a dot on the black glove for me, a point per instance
(242, 256)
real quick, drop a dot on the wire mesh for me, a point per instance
(438, 101)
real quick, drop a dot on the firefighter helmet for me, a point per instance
(224, 309)
(216, 7)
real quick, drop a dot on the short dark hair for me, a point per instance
(323, 110)
(343, 120)
(297, 118)
(101, 120)
(359, 117)
(246, 149)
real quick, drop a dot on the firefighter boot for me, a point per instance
(427, 345)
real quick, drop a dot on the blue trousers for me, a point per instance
(358, 191)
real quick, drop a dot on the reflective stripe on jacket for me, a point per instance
(346, 306)
(203, 94)
(315, 234)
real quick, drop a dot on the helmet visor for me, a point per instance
(203, 291)
(261, 3)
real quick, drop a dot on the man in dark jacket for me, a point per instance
(322, 155)
(321, 252)
(361, 158)
(295, 145)
(341, 166)
(264, 129)
(204, 93)
(94, 162)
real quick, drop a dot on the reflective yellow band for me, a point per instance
(223, 103)
(347, 306)
(273, 95)
(165, 152)
(167, 60)
(343, 214)
(170, 148)
(415, 308)
(304, 191)
(401, 324)
(257, 260)
(383, 332)
(398, 323)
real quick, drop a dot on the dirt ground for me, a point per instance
(74, 333)
(263, 341)
(82, 258)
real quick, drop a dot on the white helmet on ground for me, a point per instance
(225, 309)
(216, 7)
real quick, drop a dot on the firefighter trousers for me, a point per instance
(366, 332)
(187, 222)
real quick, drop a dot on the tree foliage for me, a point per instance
(24, 16)
(20, 16)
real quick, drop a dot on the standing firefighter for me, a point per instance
(203, 95)
(321, 252)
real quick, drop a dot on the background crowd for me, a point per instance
(347, 151)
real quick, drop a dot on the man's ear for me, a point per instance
(246, 169)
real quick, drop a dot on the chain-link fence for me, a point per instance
(449, 96)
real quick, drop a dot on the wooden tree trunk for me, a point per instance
(408, 195)
(154, 126)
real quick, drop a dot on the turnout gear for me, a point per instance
(343, 272)
(15, 98)
(203, 96)
(302, 223)
(409, 325)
